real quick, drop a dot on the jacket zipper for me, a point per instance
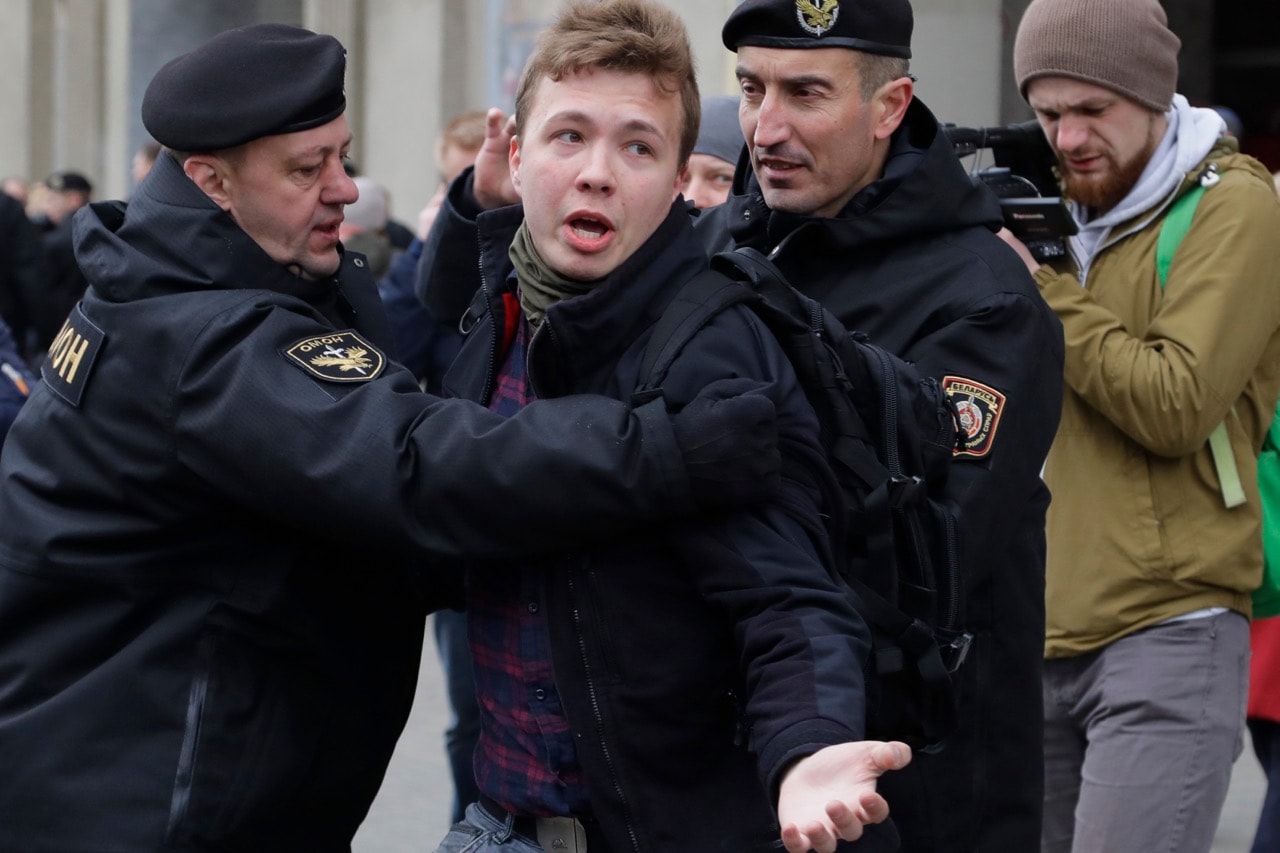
(597, 717)
(185, 775)
(490, 368)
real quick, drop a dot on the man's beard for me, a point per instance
(1100, 192)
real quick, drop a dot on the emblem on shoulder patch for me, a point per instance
(979, 407)
(817, 16)
(339, 357)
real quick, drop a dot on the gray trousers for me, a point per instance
(1140, 738)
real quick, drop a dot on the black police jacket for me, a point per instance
(913, 262)
(210, 513)
(695, 661)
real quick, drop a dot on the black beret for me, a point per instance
(871, 26)
(244, 84)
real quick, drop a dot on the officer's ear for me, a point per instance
(890, 104)
(209, 172)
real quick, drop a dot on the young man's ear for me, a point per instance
(513, 161)
(890, 104)
(209, 173)
(683, 178)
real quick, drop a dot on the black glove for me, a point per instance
(729, 438)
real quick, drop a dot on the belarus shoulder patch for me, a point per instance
(71, 355)
(979, 407)
(338, 357)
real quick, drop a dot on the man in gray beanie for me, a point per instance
(860, 200)
(225, 512)
(709, 175)
(1169, 302)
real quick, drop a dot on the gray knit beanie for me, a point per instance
(720, 134)
(1124, 45)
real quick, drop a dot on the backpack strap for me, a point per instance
(1176, 224)
(703, 297)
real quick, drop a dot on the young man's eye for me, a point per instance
(569, 136)
(640, 149)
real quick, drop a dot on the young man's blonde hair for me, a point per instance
(629, 36)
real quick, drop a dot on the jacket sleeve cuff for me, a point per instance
(1047, 275)
(798, 742)
(463, 195)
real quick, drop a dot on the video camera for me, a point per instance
(1024, 181)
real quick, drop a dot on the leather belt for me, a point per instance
(555, 834)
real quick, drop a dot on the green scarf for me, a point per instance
(540, 286)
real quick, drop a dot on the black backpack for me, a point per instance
(889, 434)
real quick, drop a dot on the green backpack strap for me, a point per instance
(1266, 598)
(1177, 222)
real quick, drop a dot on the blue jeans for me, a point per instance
(1140, 738)
(481, 832)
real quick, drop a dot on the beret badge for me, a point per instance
(817, 16)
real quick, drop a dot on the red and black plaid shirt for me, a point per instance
(525, 759)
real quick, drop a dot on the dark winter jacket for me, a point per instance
(914, 262)
(209, 633)
(678, 648)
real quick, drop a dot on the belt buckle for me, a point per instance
(561, 835)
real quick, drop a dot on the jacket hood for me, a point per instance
(172, 238)
(923, 190)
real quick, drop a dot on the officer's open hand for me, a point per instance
(831, 795)
(729, 437)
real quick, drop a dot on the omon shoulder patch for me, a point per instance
(338, 357)
(71, 356)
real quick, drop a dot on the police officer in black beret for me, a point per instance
(849, 185)
(215, 503)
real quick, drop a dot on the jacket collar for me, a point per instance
(172, 238)
(584, 337)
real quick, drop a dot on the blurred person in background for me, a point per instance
(16, 188)
(21, 272)
(709, 175)
(143, 159)
(364, 226)
(64, 282)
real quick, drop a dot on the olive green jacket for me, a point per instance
(1138, 531)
